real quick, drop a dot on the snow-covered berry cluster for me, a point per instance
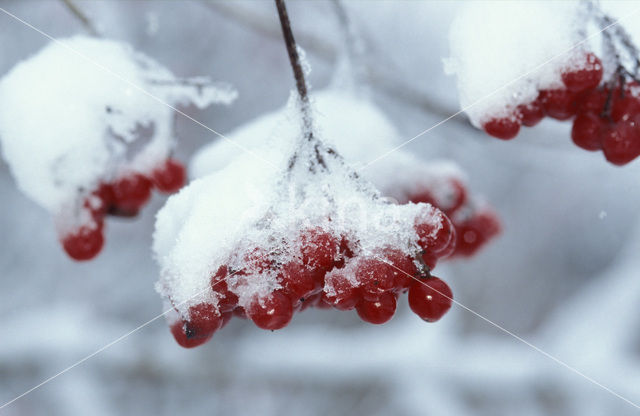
(324, 238)
(87, 128)
(325, 272)
(399, 175)
(123, 197)
(297, 228)
(608, 119)
(562, 103)
(548, 68)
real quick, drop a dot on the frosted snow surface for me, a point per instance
(82, 111)
(504, 52)
(248, 204)
(358, 130)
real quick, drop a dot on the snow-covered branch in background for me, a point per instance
(87, 128)
(567, 61)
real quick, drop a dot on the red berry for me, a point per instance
(559, 103)
(319, 249)
(377, 311)
(403, 268)
(430, 260)
(340, 292)
(434, 238)
(227, 300)
(179, 332)
(505, 128)
(625, 109)
(99, 201)
(85, 242)
(593, 101)
(588, 76)
(621, 143)
(169, 177)
(531, 114)
(204, 320)
(130, 193)
(273, 312)
(376, 277)
(298, 280)
(587, 131)
(476, 231)
(430, 298)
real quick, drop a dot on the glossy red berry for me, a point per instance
(339, 291)
(377, 311)
(204, 320)
(559, 103)
(621, 143)
(227, 300)
(169, 177)
(375, 277)
(272, 312)
(430, 298)
(99, 201)
(587, 131)
(505, 128)
(130, 193)
(84, 243)
(626, 109)
(179, 332)
(531, 114)
(434, 238)
(298, 280)
(586, 76)
(403, 268)
(319, 249)
(474, 232)
(593, 101)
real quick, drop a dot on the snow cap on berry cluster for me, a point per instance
(396, 175)
(503, 53)
(259, 205)
(83, 110)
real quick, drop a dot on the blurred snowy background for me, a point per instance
(563, 275)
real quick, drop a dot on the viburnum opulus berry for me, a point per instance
(272, 312)
(85, 242)
(123, 197)
(169, 177)
(430, 298)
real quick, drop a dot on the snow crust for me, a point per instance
(83, 110)
(241, 208)
(358, 130)
(503, 53)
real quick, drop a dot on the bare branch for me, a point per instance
(83, 18)
(378, 79)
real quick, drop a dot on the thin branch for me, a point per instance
(83, 18)
(296, 66)
(379, 80)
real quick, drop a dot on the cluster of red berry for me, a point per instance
(123, 197)
(328, 273)
(474, 225)
(606, 118)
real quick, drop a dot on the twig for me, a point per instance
(319, 150)
(83, 18)
(379, 80)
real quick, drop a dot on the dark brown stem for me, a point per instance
(83, 18)
(298, 72)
